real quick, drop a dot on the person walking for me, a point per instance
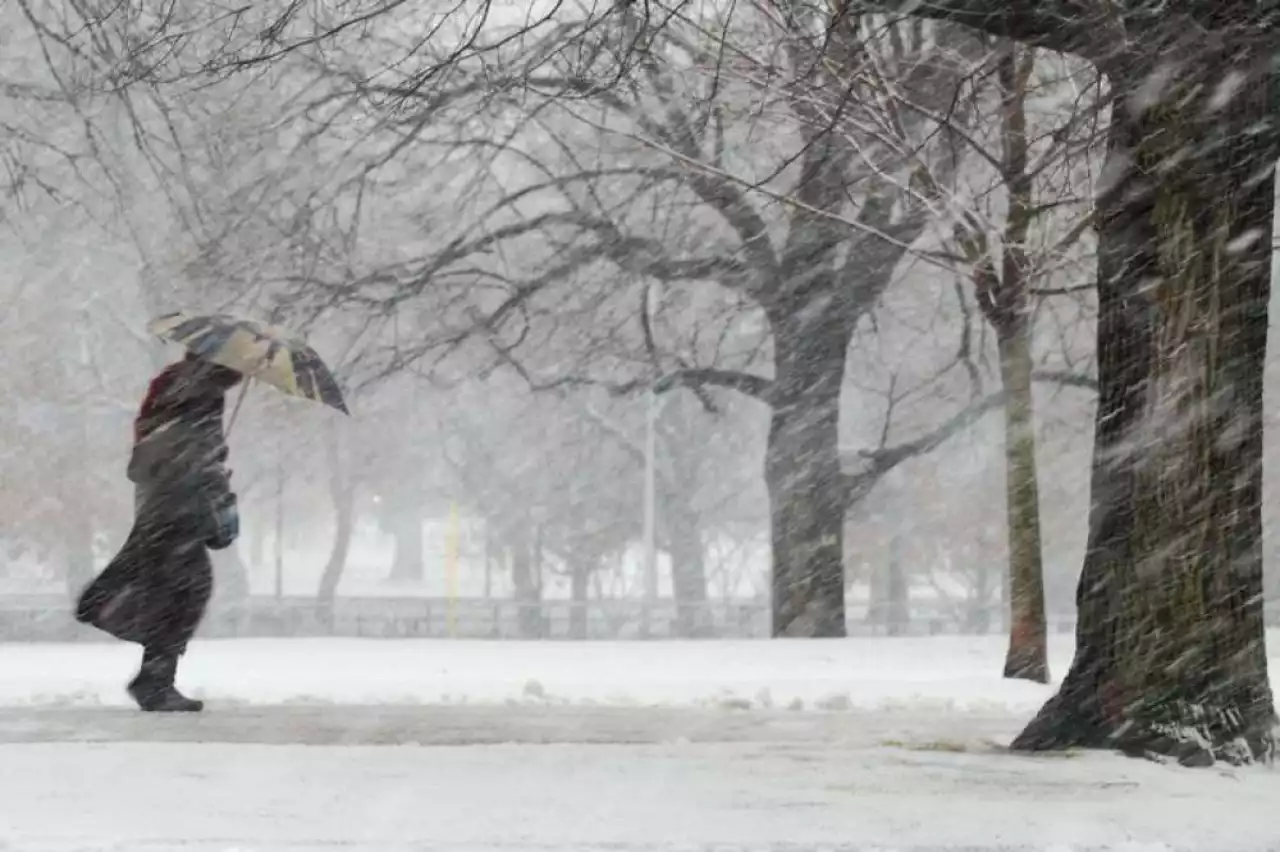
(157, 588)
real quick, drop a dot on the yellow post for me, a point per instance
(451, 567)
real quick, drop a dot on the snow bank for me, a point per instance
(936, 673)
(924, 674)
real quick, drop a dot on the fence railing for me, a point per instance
(49, 619)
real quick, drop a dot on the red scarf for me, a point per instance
(178, 390)
(157, 406)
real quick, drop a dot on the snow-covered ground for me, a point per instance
(938, 674)
(310, 745)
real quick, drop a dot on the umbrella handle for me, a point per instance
(244, 389)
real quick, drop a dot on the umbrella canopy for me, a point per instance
(264, 352)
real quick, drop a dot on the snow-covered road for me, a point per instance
(458, 725)
(694, 779)
(676, 761)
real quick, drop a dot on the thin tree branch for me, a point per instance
(881, 461)
(748, 383)
(1065, 378)
(695, 377)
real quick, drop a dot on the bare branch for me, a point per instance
(881, 461)
(1065, 378)
(1088, 28)
(1062, 291)
(748, 383)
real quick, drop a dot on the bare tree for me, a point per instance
(700, 483)
(343, 482)
(1170, 655)
(813, 261)
(1170, 651)
(862, 106)
(554, 485)
(1004, 272)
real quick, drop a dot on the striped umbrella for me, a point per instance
(260, 351)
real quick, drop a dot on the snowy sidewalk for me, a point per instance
(774, 796)
(440, 725)
(935, 673)
(348, 746)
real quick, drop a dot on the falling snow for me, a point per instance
(572, 356)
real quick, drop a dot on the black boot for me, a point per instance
(153, 687)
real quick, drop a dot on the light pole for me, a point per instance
(279, 525)
(650, 493)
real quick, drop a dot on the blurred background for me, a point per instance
(543, 314)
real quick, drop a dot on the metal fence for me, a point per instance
(49, 619)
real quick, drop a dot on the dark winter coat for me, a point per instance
(155, 590)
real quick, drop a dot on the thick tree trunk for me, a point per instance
(688, 573)
(1028, 656)
(1170, 655)
(807, 492)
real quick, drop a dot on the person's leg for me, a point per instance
(185, 601)
(153, 688)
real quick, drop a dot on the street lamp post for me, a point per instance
(650, 496)
(650, 510)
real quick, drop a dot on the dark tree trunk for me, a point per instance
(897, 592)
(688, 573)
(343, 493)
(525, 586)
(337, 563)
(1028, 655)
(580, 572)
(408, 564)
(807, 492)
(1007, 305)
(1170, 654)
